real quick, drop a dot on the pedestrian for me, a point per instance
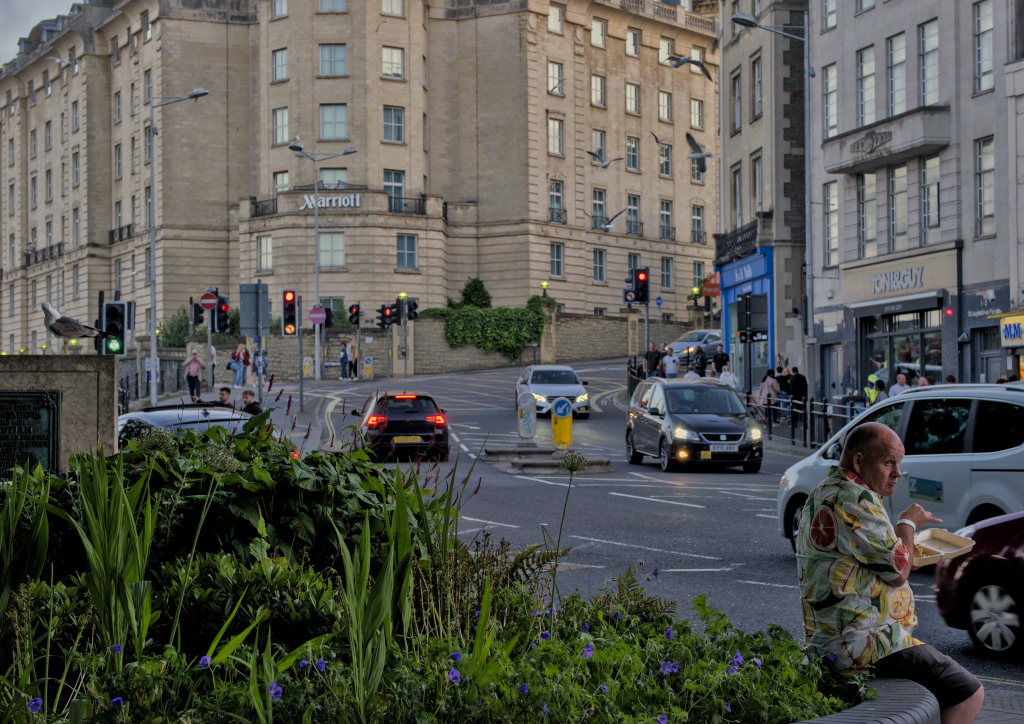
(925, 381)
(768, 391)
(224, 398)
(870, 392)
(213, 365)
(783, 375)
(880, 393)
(900, 386)
(797, 393)
(719, 361)
(652, 358)
(249, 400)
(950, 379)
(195, 363)
(344, 362)
(866, 616)
(1013, 378)
(239, 361)
(690, 374)
(671, 364)
(353, 359)
(1001, 381)
(728, 377)
(700, 361)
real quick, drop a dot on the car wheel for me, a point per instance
(796, 509)
(994, 619)
(668, 465)
(632, 456)
(752, 467)
(983, 512)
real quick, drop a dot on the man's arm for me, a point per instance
(905, 532)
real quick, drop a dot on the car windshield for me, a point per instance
(695, 336)
(554, 377)
(704, 401)
(401, 404)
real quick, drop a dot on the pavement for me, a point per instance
(707, 530)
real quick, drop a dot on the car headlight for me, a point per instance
(755, 433)
(582, 398)
(681, 433)
(539, 398)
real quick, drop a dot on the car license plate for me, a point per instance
(725, 448)
(408, 438)
(705, 454)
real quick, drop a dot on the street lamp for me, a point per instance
(747, 20)
(316, 158)
(151, 134)
(544, 286)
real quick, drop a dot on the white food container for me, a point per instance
(938, 544)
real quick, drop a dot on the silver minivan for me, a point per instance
(964, 455)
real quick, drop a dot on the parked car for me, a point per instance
(981, 591)
(395, 425)
(197, 418)
(549, 382)
(686, 345)
(964, 455)
(691, 421)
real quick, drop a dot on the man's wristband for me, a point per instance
(907, 521)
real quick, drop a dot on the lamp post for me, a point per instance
(151, 134)
(61, 65)
(749, 21)
(316, 158)
(544, 286)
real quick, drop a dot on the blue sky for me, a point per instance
(18, 18)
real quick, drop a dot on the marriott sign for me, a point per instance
(329, 202)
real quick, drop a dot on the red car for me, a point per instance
(983, 591)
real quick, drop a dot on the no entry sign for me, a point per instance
(208, 300)
(317, 315)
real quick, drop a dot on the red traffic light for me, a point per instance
(353, 309)
(223, 307)
(642, 276)
(289, 296)
(387, 312)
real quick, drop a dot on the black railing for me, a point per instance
(807, 423)
(635, 228)
(668, 232)
(267, 207)
(599, 222)
(556, 216)
(400, 205)
(735, 244)
(122, 233)
(698, 237)
(331, 186)
(47, 253)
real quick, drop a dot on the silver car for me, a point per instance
(549, 382)
(686, 345)
(964, 455)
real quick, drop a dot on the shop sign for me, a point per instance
(1011, 330)
(897, 280)
(740, 273)
(329, 202)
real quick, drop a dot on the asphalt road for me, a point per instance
(706, 531)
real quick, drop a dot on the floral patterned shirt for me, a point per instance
(846, 549)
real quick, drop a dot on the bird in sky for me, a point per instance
(557, 87)
(677, 61)
(606, 224)
(656, 139)
(600, 159)
(382, 22)
(699, 154)
(67, 328)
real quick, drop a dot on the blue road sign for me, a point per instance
(562, 408)
(658, 301)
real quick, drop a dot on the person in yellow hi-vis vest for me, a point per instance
(870, 392)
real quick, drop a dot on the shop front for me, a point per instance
(750, 275)
(1008, 364)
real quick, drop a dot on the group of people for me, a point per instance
(876, 392)
(665, 363)
(240, 361)
(787, 387)
(349, 360)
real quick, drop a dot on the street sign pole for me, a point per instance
(647, 326)
(405, 339)
(298, 316)
(257, 345)
(209, 302)
(359, 334)
(191, 314)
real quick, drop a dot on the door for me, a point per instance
(997, 463)
(993, 368)
(937, 465)
(831, 356)
(653, 416)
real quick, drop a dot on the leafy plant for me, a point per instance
(503, 329)
(475, 295)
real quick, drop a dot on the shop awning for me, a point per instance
(899, 305)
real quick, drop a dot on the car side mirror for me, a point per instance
(354, 412)
(585, 383)
(656, 412)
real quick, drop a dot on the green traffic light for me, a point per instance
(113, 345)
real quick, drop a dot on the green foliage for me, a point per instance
(503, 329)
(441, 312)
(174, 331)
(475, 295)
(24, 535)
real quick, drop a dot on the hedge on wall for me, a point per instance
(504, 329)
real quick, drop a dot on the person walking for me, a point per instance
(700, 361)
(728, 377)
(353, 359)
(783, 375)
(797, 394)
(652, 360)
(720, 361)
(880, 393)
(671, 364)
(344, 362)
(900, 386)
(240, 360)
(768, 391)
(195, 364)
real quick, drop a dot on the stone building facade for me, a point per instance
(470, 154)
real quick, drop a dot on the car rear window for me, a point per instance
(554, 377)
(403, 404)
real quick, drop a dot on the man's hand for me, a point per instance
(919, 515)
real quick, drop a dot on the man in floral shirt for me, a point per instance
(853, 565)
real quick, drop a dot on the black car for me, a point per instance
(396, 425)
(175, 419)
(691, 421)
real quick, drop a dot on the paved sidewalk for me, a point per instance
(1002, 707)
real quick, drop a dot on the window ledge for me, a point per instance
(632, 55)
(334, 269)
(265, 272)
(556, 155)
(985, 237)
(633, 113)
(666, 120)
(696, 182)
(394, 80)
(826, 30)
(556, 94)
(330, 77)
(756, 118)
(632, 170)
(400, 270)
(861, 12)
(557, 279)
(394, 143)
(696, 128)
(599, 284)
(330, 12)
(975, 94)
(602, 106)
(334, 140)
(665, 175)
(279, 80)
(278, 17)
(734, 132)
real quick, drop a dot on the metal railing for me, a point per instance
(698, 237)
(47, 253)
(635, 228)
(556, 216)
(668, 232)
(806, 423)
(634, 375)
(122, 233)
(735, 244)
(599, 222)
(331, 186)
(267, 207)
(400, 205)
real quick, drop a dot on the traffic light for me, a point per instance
(383, 316)
(289, 313)
(353, 315)
(328, 317)
(223, 315)
(198, 314)
(115, 318)
(642, 285)
(399, 307)
(410, 310)
(395, 313)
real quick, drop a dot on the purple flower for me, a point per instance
(275, 691)
(478, 614)
(617, 616)
(670, 634)
(545, 635)
(728, 705)
(204, 662)
(588, 651)
(830, 659)
(524, 689)
(586, 627)
(553, 609)
(34, 705)
(738, 658)
(456, 657)
(663, 719)
(544, 706)
(116, 648)
(669, 667)
(533, 646)
(453, 676)
(303, 664)
(757, 663)
(320, 664)
(656, 575)
(604, 688)
(117, 701)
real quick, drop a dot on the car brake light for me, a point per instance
(405, 397)
(439, 419)
(376, 420)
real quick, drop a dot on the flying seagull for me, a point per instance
(656, 139)
(600, 159)
(382, 22)
(607, 225)
(67, 328)
(557, 87)
(699, 154)
(677, 61)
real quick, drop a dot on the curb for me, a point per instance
(898, 700)
(551, 467)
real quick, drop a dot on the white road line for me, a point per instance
(765, 515)
(693, 570)
(744, 495)
(453, 436)
(924, 598)
(669, 502)
(472, 456)
(490, 522)
(774, 585)
(469, 530)
(646, 548)
(546, 482)
(464, 448)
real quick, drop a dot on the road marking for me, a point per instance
(464, 448)
(744, 495)
(765, 515)
(693, 570)
(490, 522)
(469, 530)
(454, 436)
(540, 480)
(669, 502)
(774, 585)
(924, 598)
(646, 548)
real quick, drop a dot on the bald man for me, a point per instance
(853, 567)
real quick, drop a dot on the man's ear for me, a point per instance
(858, 458)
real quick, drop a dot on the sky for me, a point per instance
(19, 17)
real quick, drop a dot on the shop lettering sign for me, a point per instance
(329, 202)
(1011, 329)
(897, 280)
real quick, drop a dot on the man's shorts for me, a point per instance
(951, 683)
